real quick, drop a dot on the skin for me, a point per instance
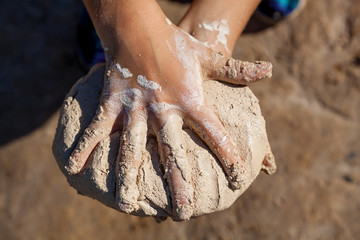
(235, 12)
(163, 92)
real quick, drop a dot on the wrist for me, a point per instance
(212, 20)
(123, 24)
(214, 33)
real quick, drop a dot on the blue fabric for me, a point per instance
(278, 8)
(90, 51)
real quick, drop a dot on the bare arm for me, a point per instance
(209, 20)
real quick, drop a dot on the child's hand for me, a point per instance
(157, 91)
(153, 85)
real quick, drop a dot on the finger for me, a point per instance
(177, 168)
(207, 125)
(133, 143)
(99, 127)
(237, 72)
(268, 165)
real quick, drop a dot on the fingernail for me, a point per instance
(257, 70)
(237, 178)
(127, 208)
(184, 212)
(264, 69)
(73, 165)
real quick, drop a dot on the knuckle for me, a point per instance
(90, 133)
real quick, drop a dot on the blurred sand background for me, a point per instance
(311, 104)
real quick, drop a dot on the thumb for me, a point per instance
(237, 72)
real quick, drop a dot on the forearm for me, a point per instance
(120, 23)
(204, 16)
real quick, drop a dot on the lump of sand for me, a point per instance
(236, 107)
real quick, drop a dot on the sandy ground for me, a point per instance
(312, 108)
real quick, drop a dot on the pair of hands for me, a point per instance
(157, 89)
